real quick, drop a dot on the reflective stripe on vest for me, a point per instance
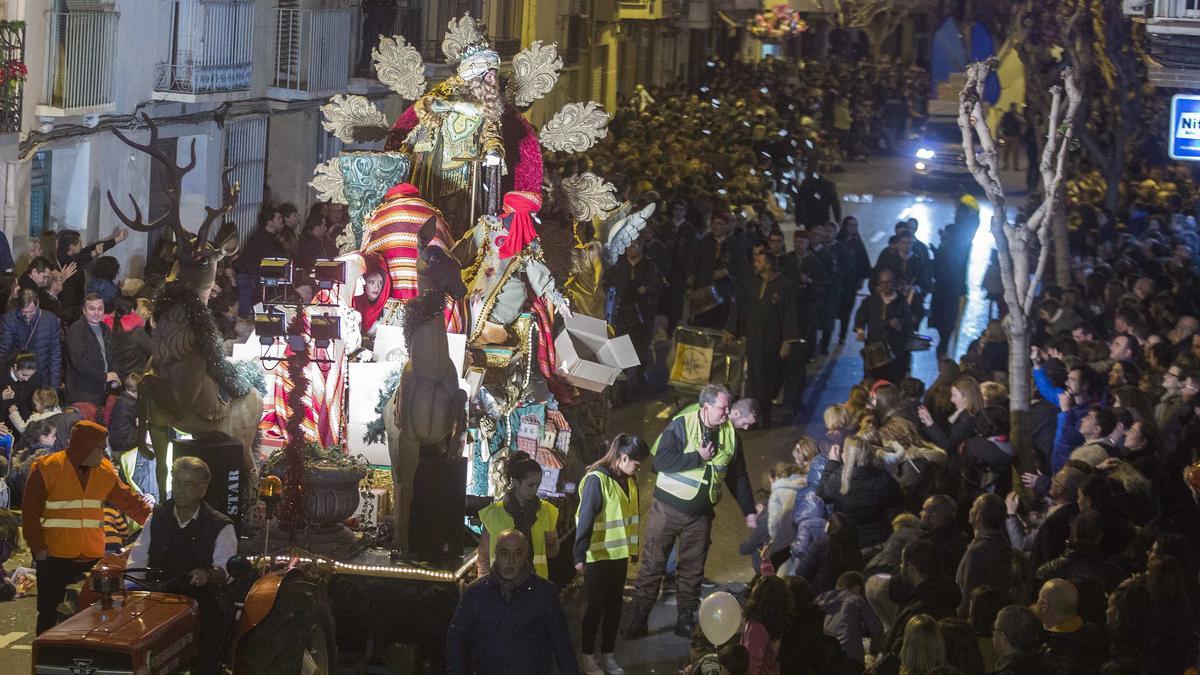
(615, 530)
(686, 485)
(73, 516)
(496, 520)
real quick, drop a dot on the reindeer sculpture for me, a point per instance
(189, 385)
(428, 409)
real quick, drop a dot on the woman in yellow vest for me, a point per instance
(520, 509)
(606, 538)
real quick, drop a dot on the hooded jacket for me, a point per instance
(86, 437)
(936, 596)
(850, 618)
(780, 524)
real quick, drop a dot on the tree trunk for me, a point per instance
(1062, 250)
(1019, 392)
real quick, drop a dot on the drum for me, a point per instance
(703, 300)
(704, 356)
(877, 355)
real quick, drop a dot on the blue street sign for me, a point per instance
(1185, 127)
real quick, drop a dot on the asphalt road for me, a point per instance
(878, 194)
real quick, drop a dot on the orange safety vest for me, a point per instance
(73, 518)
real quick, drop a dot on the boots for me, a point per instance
(637, 627)
(685, 624)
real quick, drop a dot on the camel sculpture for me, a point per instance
(189, 385)
(427, 412)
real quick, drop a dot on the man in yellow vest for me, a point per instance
(696, 454)
(63, 513)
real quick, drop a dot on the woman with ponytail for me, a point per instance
(521, 509)
(606, 538)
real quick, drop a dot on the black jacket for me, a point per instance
(1077, 563)
(262, 244)
(131, 351)
(1075, 653)
(86, 364)
(179, 551)
(1022, 663)
(872, 501)
(937, 596)
(122, 426)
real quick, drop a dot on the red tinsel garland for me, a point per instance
(291, 512)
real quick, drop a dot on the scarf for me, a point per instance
(523, 517)
(508, 587)
(370, 311)
(520, 206)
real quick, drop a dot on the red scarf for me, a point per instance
(371, 310)
(520, 206)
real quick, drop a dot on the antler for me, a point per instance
(174, 180)
(229, 195)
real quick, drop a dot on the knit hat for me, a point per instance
(86, 436)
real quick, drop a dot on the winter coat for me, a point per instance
(850, 618)
(1077, 563)
(122, 428)
(872, 500)
(780, 523)
(949, 438)
(86, 373)
(809, 519)
(42, 336)
(131, 346)
(1023, 663)
(988, 560)
(937, 596)
(63, 420)
(524, 634)
(919, 474)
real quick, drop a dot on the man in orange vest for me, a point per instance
(63, 513)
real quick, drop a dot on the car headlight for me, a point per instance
(920, 166)
(925, 153)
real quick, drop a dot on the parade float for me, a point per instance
(462, 321)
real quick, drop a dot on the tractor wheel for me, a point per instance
(296, 638)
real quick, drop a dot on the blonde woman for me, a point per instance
(855, 485)
(922, 650)
(968, 401)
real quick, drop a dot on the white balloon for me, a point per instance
(720, 617)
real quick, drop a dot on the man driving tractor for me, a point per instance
(191, 542)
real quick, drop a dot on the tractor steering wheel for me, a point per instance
(153, 579)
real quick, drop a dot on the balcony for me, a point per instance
(81, 63)
(211, 49)
(12, 78)
(313, 51)
(1173, 28)
(640, 9)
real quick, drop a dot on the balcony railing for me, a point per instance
(211, 47)
(12, 86)
(82, 51)
(1177, 9)
(313, 49)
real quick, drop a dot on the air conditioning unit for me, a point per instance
(1135, 7)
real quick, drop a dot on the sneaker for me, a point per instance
(707, 583)
(588, 665)
(609, 663)
(685, 625)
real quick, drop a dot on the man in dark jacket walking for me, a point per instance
(816, 201)
(766, 317)
(510, 621)
(988, 560)
(89, 350)
(33, 329)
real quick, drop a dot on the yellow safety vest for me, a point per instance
(685, 485)
(496, 520)
(687, 410)
(615, 529)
